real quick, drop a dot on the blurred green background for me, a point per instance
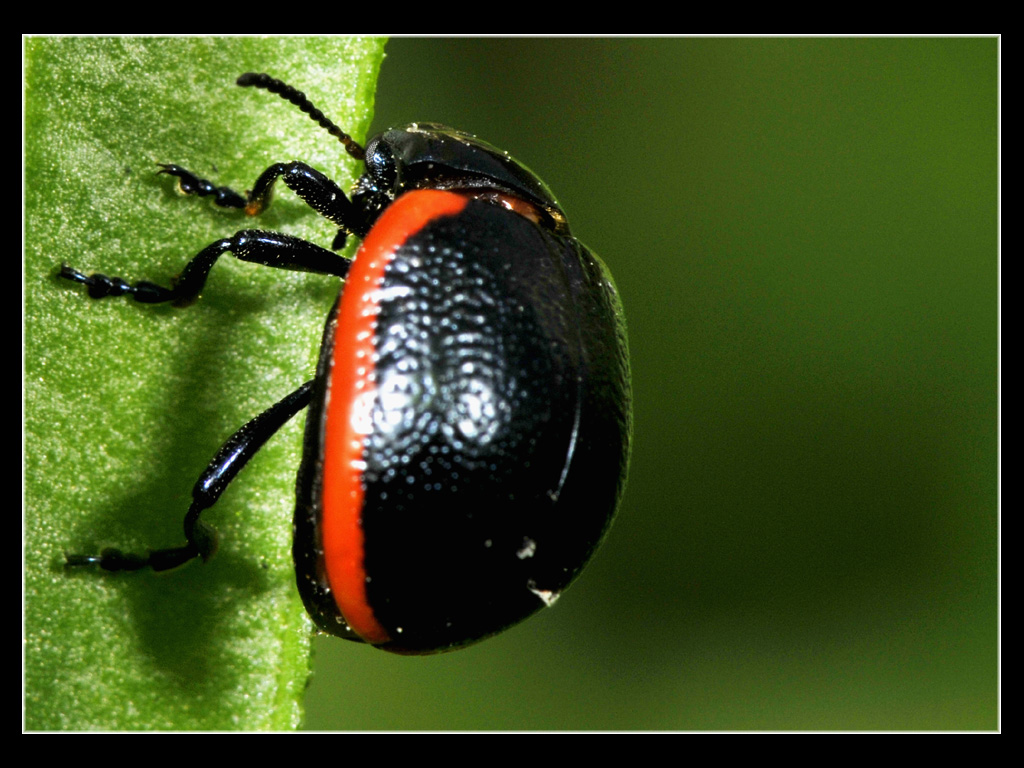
(804, 233)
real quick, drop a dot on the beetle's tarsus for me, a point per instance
(190, 184)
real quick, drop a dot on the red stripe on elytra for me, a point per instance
(350, 396)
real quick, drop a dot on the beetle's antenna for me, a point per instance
(298, 98)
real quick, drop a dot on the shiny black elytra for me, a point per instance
(469, 422)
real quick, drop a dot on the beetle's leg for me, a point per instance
(190, 184)
(233, 455)
(271, 249)
(319, 192)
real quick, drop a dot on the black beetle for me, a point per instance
(469, 422)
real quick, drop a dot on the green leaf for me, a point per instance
(124, 404)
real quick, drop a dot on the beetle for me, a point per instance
(469, 422)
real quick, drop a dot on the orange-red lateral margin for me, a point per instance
(350, 397)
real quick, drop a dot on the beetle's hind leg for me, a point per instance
(200, 538)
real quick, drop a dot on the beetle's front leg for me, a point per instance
(190, 184)
(319, 192)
